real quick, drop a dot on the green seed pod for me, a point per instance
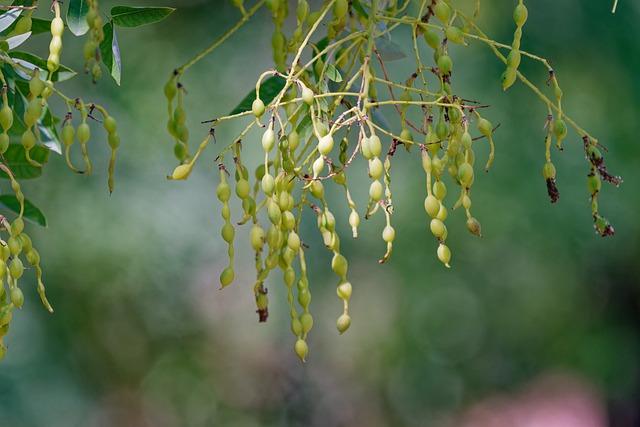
(268, 139)
(36, 85)
(442, 213)
(485, 127)
(110, 124)
(560, 129)
(68, 134)
(227, 276)
(27, 244)
(440, 190)
(258, 108)
(431, 38)
(293, 241)
(275, 215)
(465, 175)
(304, 296)
(474, 226)
(243, 188)
(294, 140)
(57, 27)
(444, 254)
(170, 88)
(388, 234)
(340, 9)
(467, 141)
(376, 191)
(343, 323)
(549, 171)
(366, 150)
(223, 192)
(520, 15)
(339, 265)
(16, 269)
(268, 184)
(432, 206)
(301, 349)
(317, 190)
(438, 229)
(228, 233)
(442, 11)
(375, 146)
(594, 184)
(5, 252)
(325, 145)
(445, 64)
(306, 320)
(307, 95)
(257, 237)
(302, 11)
(513, 59)
(455, 35)
(375, 168)
(114, 140)
(33, 257)
(6, 117)
(344, 291)
(17, 226)
(182, 172)
(17, 297)
(288, 220)
(509, 77)
(84, 133)
(15, 245)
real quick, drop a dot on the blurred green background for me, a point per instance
(537, 323)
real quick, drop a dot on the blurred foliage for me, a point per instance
(141, 337)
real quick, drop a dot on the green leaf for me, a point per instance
(333, 74)
(110, 52)
(268, 91)
(9, 17)
(77, 17)
(357, 6)
(126, 16)
(16, 160)
(305, 128)
(31, 211)
(31, 61)
(40, 26)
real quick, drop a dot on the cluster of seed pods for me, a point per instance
(12, 268)
(326, 115)
(91, 50)
(36, 88)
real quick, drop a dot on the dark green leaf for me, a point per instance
(305, 128)
(126, 16)
(357, 6)
(31, 211)
(39, 26)
(16, 160)
(31, 61)
(77, 17)
(390, 51)
(333, 74)
(110, 52)
(268, 91)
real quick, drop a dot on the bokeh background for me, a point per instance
(538, 323)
